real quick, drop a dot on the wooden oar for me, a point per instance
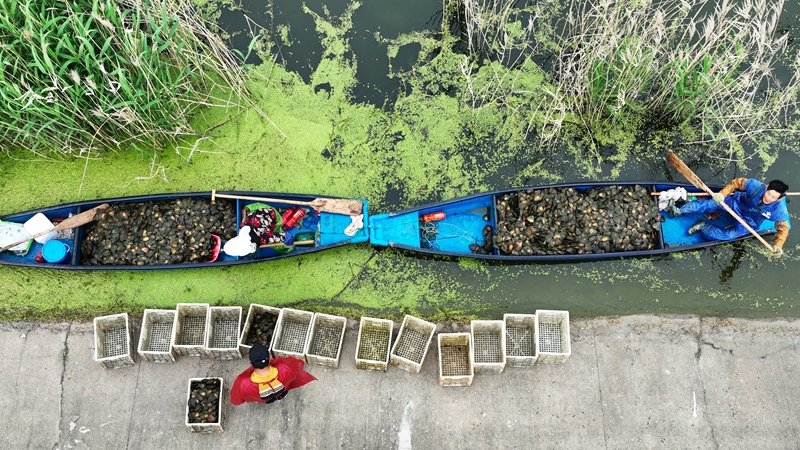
(703, 194)
(332, 205)
(698, 183)
(71, 222)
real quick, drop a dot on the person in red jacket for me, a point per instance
(267, 381)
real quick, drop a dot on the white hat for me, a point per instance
(241, 245)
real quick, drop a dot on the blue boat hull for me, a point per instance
(466, 218)
(329, 231)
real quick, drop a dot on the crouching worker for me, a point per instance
(753, 201)
(262, 226)
(267, 381)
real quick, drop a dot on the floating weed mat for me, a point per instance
(106, 74)
(153, 233)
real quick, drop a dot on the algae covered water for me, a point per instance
(729, 280)
(362, 100)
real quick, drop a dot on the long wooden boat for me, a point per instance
(564, 222)
(174, 231)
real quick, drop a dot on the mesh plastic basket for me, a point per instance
(112, 340)
(222, 338)
(553, 336)
(205, 424)
(259, 327)
(455, 359)
(374, 340)
(412, 343)
(488, 346)
(190, 329)
(291, 333)
(325, 340)
(155, 342)
(521, 332)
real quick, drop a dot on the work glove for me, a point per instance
(777, 252)
(717, 197)
(289, 239)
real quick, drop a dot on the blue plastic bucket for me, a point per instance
(55, 252)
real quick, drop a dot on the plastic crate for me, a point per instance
(255, 314)
(325, 340)
(291, 333)
(455, 359)
(189, 331)
(521, 332)
(222, 338)
(488, 346)
(374, 340)
(208, 427)
(553, 336)
(112, 341)
(155, 342)
(411, 346)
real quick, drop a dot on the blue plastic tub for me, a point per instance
(55, 252)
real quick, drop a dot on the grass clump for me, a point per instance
(704, 64)
(80, 76)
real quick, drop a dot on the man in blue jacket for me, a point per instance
(751, 199)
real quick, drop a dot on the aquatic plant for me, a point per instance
(706, 64)
(88, 75)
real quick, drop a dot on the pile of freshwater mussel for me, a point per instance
(204, 401)
(261, 328)
(567, 221)
(151, 233)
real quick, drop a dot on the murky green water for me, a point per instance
(342, 126)
(733, 280)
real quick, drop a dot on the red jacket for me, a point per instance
(290, 374)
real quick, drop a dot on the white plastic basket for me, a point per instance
(521, 332)
(488, 346)
(553, 336)
(112, 339)
(291, 333)
(324, 346)
(190, 330)
(222, 338)
(210, 426)
(256, 313)
(412, 343)
(374, 342)
(455, 359)
(155, 342)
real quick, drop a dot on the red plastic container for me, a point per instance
(434, 216)
(297, 214)
(216, 249)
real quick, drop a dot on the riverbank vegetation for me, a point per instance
(705, 71)
(83, 76)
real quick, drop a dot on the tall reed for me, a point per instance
(708, 64)
(85, 75)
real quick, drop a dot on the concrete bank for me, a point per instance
(632, 382)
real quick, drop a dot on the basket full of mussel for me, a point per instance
(258, 327)
(204, 405)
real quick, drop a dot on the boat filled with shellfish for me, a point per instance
(170, 231)
(565, 222)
